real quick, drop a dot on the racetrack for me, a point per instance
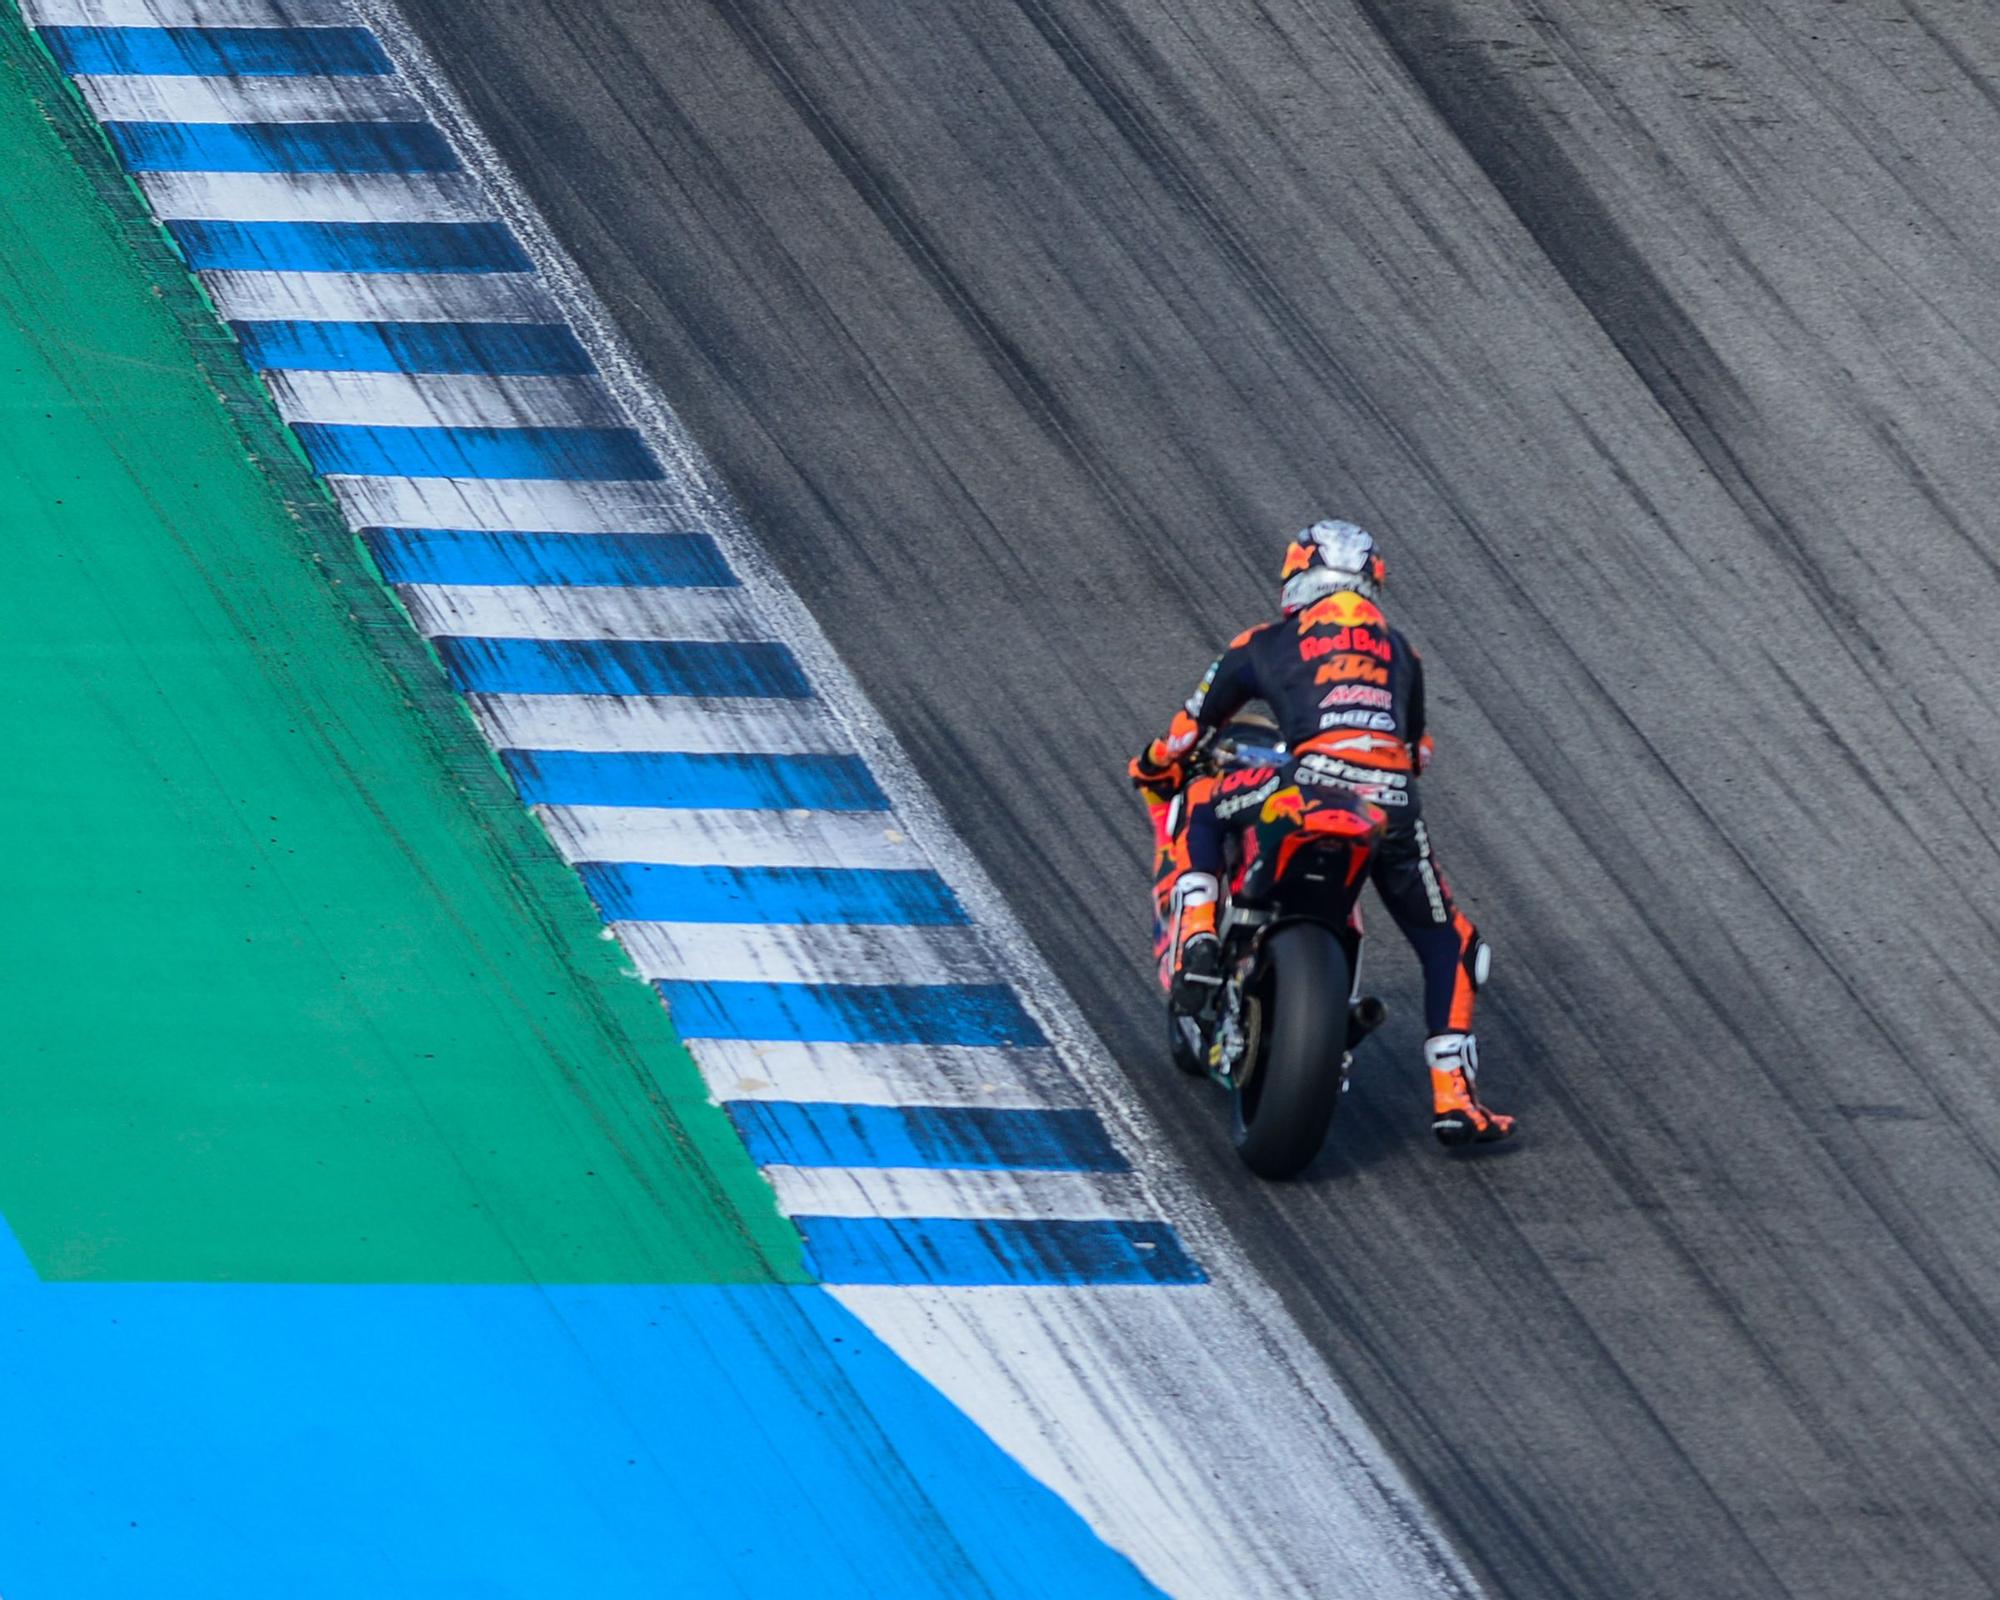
(1655, 342)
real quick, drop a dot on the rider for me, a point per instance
(1348, 694)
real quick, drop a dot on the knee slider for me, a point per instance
(1476, 957)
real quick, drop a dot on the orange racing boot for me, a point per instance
(1198, 960)
(1458, 1116)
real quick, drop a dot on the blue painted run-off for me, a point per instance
(15, 1267)
(538, 1441)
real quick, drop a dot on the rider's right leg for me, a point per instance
(1454, 960)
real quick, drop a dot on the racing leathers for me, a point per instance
(1347, 691)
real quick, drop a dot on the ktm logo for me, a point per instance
(1351, 669)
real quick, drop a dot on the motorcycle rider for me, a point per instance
(1347, 691)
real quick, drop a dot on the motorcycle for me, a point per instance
(1278, 1027)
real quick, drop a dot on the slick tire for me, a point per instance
(1283, 1107)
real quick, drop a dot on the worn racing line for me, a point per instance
(1658, 342)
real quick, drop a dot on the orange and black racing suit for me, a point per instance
(1348, 694)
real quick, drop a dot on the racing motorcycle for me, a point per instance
(1279, 1026)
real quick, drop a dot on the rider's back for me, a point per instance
(1339, 679)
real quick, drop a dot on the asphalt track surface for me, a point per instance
(1659, 343)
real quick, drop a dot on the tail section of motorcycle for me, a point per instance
(1280, 1031)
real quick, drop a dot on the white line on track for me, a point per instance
(118, 97)
(523, 505)
(883, 1074)
(926, 1192)
(706, 952)
(315, 196)
(661, 723)
(380, 297)
(659, 837)
(518, 612)
(442, 400)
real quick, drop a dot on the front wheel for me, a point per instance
(1284, 1104)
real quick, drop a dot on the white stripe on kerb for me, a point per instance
(315, 196)
(502, 505)
(925, 1192)
(750, 952)
(517, 612)
(123, 98)
(883, 1074)
(663, 723)
(442, 400)
(380, 297)
(192, 13)
(658, 836)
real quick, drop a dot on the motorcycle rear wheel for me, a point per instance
(1282, 1108)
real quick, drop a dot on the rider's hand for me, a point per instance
(1426, 747)
(1162, 776)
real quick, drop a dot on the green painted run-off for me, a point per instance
(294, 991)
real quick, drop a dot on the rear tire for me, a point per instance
(1282, 1108)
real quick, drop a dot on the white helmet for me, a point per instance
(1327, 558)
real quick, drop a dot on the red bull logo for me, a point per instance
(1343, 610)
(1287, 805)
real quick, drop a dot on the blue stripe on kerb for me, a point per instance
(347, 147)
(220, 52)
(859, 896)
(349, 246)
(694, 781)
(792, 1133)
(622, 666)
(510, 349)
(576, 560)
(963, 1251)
(842, 1013)
(594, 454)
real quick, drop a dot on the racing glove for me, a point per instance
(1162, 776)
(1160, 766)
